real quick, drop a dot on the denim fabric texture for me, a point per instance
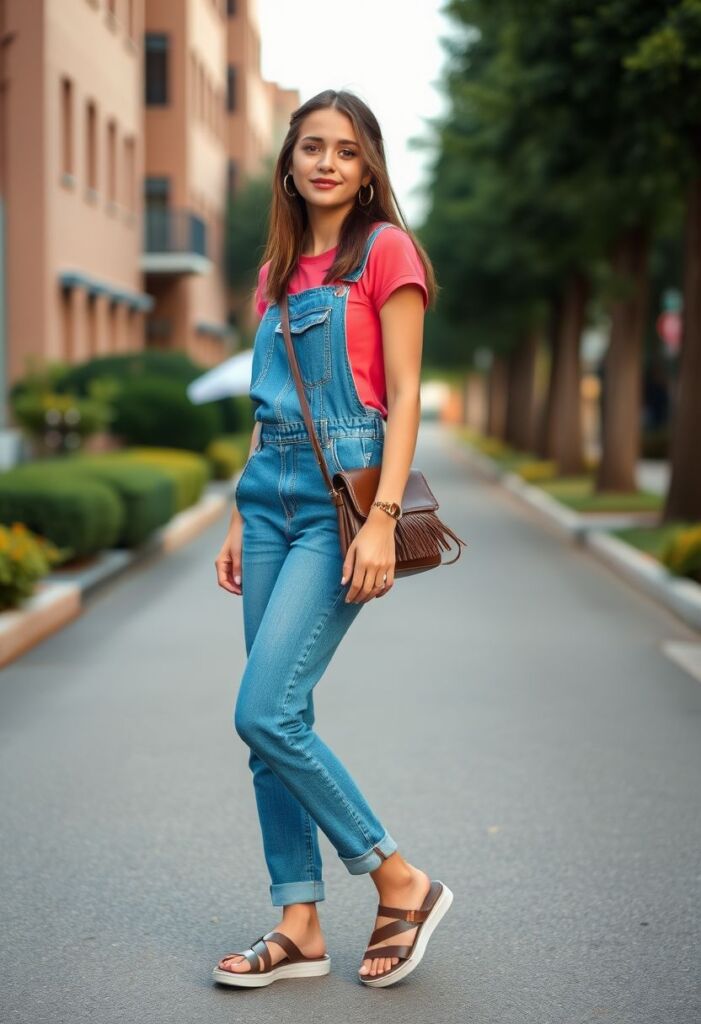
(294, 610)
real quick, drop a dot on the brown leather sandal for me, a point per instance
(437, 902)
(294, 965)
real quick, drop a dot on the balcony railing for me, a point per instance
(175, 241)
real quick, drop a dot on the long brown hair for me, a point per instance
(288, 214)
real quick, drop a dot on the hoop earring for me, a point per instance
(284, 185)
(372, 194)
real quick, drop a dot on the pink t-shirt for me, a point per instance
(393, 261)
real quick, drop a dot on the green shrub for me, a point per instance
(129, 366)
(538, 470)
(236, 414)
(102, 377)
(147, 493)
(79, 515)
(225, 458)
(175, 365)
(157, 412)
(493, 447)
(24, 558)
(59, 422)
(682, 553)
(188, 471)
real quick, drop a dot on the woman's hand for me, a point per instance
(228, 561)
(370, 555)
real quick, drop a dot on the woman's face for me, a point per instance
(327, 148)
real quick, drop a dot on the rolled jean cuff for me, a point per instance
(371, 859)
(283, 893)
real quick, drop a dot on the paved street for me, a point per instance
(513, 719)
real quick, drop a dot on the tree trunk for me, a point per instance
(496, 397)
(553, 329)
(622, 386)
(684, 494)
(563, 420)
(520, 423)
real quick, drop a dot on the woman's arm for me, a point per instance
(372, 552)
(228, 560)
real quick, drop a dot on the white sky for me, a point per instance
(386, 51)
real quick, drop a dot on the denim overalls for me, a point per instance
(294, 610)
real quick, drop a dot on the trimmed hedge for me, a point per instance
(147, 493)
(75, 513)
(175, 365)
(155, 411)
(225, 458)
(188, 471)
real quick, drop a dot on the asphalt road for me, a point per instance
(513, 719)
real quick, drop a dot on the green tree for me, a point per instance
(556, 173)
(667, 67)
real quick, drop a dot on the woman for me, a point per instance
(358, 285)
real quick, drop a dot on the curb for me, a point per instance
(62, 595)
(681, 596)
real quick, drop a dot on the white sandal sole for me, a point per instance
(246, 979)
(404, 967)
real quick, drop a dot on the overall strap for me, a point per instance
(356, 274)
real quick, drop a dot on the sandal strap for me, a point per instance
(260, 948)
(405, 915)
(293, 951)
(256, 952)
(400, 951)
(386, 930)
(414, 915)
(252, 958)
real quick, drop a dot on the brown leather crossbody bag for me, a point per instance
(419, 534)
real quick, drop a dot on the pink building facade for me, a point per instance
(124, 125)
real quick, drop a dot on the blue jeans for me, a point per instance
(295, 616)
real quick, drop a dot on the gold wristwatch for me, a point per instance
(391, 507)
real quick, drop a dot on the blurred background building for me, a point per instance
(124, 127)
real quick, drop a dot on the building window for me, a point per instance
(112, 162)
(231, 87)
(91, 322)
(91, 144)
(67, 322)
(156, 69)
(66, 126)
(159, 329)
(113, 327)
(157, 215)
(231, 176)
(157, 191)
(130, 174)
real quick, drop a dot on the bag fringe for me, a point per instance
(417, 534)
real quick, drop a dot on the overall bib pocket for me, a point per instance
(311, 337)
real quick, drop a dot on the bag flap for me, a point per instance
(361, 486)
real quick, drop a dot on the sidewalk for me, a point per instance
(681, 596)
(63, 595)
